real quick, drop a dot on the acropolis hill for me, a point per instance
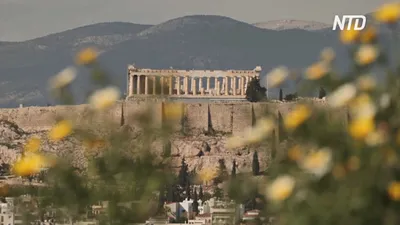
(223, 118)
(201, 131)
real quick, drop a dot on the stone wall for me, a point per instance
(225, 118)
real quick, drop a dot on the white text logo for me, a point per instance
(355, 22)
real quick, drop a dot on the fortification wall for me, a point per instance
(196, 117)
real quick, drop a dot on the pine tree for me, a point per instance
(322, 93)
(201, 194)
(256, 164)
(254, 91)
(195, 202)
(218, 193)
(161, 201)
(233, 173)
(222, 172)
(188, 195)
(170, 194)
(281, 129)
(280, 94)
(183, 174)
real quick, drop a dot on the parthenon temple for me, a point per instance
(190, 83)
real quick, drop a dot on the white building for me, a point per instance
(7, 213)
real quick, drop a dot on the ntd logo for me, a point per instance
(353, 22)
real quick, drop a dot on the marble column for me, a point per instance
(146, 85)
(130, 85)
(234, 91)
(217, 86)
(226, 85)
(208, 85)
(200, 83)
(170, 84)
(154, 85)
(242, 85)
(178, 85)
(194, 89)
(138, 84)
(186, 85)
(162, 84)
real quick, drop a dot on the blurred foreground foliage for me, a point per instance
(336, 168)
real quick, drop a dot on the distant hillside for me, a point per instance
(26, 66)
(291, 24)
(216, 42)
(191, 42)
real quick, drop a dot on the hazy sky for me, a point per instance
(25, 19)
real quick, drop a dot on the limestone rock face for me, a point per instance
(199, 151)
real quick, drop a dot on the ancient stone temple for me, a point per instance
(189, 83)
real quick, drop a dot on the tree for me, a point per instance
(188, 196)
(322, 93)
(195, 202)
(233, 173)
(218, 193)
(254, 91)
(170, 194)
(280, 94)
(183, 174)
(161, 200)
(4, 169)
(256, 164)
(222, 172)
(201, 195)
(291, 97)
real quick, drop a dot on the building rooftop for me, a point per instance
(204, 215)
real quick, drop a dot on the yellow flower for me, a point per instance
(104, 98)
(281, 188)
(265, 125)
(366, 83)
(317, 71)
(297, 116)
(277, 76)
(32, 145)
(360, 128)
(368, 35)
(384, 100)
(353, 163)
(317, 163)
(86, 56)
(327, 55)
(252, 135)
(61, 130)
(394, 190)
(342, 95)
(390, 156)
(94, 144)
(362, 106)
(63, 78)
(173, 111)
(366, 54)
(338, 171)
(235, 142)
(375, 138)
(29, 165)
(4, 190)
(295, 153)
(207, 174)
(388, 13)
(349, 36)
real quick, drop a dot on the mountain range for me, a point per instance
(190, 42)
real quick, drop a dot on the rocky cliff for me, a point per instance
(200, 148)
